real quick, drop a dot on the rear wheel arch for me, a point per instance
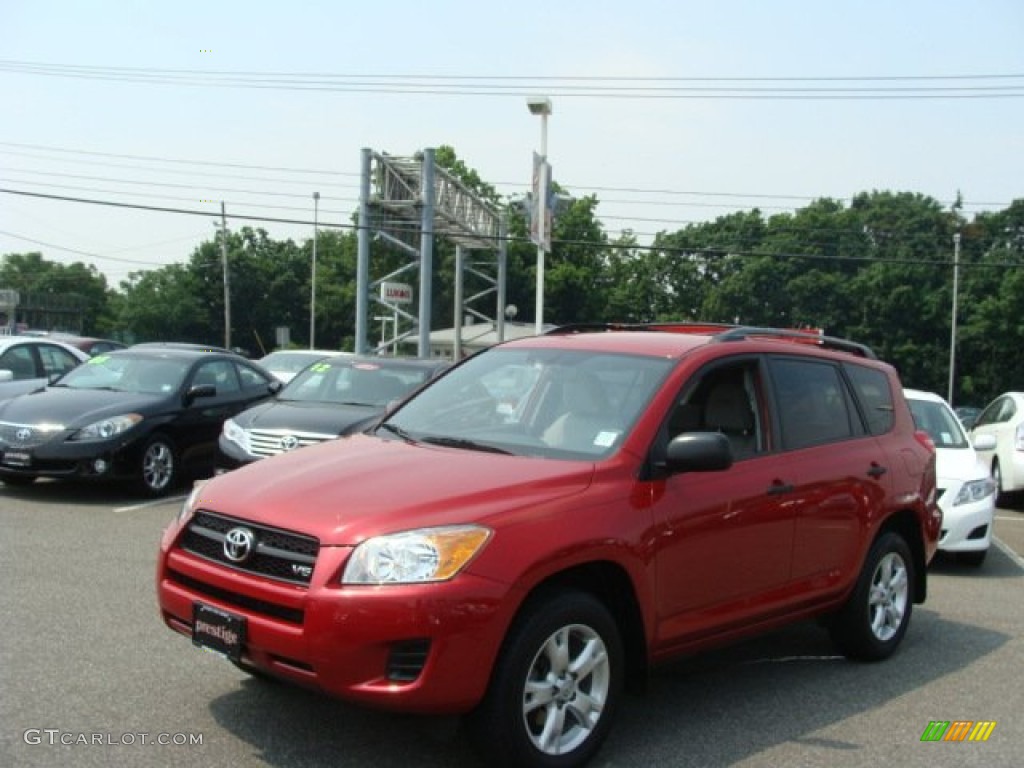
(906, 524)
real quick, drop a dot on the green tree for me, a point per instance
(75, 285)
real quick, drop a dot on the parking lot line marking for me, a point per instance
(153, 503)
(1015, 519)
(1005, 549)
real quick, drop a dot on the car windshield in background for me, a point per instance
(537, 402)
(140, 374)
(939, 422)
(291, 361)
(357, 382)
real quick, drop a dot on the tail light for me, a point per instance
(926, 440)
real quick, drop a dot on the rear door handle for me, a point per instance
(877, 470)
(778, 488)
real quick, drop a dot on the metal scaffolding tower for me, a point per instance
(405, 201)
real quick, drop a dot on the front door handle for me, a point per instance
(778, 488)
(877, 470)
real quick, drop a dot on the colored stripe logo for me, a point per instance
(958, 730)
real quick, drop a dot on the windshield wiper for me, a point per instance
(397, 430)
(461, 442)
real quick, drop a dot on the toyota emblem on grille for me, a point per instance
(289, 443)
(23, 434)
(238, 544)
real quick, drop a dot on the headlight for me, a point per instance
(429, 554)
(107, 428)
(236, 435)
(191, 502)
(975, 490)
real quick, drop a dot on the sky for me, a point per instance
(670, 111)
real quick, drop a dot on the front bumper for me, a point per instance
(60, 458)
(420, 648)
(968, 527)
(231, 456)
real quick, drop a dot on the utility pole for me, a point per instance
(952, 339)
(312, 281)
(224, 263)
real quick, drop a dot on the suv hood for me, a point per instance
(345, 491)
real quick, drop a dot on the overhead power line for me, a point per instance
(706, 251)
(957, 86)
(578, 188)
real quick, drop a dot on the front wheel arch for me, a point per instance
(555, 686)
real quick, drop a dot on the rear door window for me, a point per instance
(812, 401)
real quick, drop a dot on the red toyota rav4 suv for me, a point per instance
(554, 515)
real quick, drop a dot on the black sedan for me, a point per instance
(150, 415)
(332, 397)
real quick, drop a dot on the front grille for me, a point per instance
(275, 554)
(291, 615)
(18, 436)
(270, 442)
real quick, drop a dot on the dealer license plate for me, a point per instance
(17, 459)
(218, 631)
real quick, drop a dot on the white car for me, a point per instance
(967, 493)
(28, 363)
(285, 363)
(1003, 420)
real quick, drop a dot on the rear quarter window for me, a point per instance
(875, 395)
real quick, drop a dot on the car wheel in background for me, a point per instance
(872, 623)
(555, 687)
(158, 469)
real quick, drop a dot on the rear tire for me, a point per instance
(555, 686)
(875, 618)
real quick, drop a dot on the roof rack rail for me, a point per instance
(724, 332)
(739, 333)
(710, 329)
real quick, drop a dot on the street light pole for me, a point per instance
(541, 105)
(952, 338)
(312, 295)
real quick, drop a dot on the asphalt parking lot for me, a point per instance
(90, 677)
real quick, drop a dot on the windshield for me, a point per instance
(536, 402)
(368, 383)
(127, 373)
(290, 362)
(939, 422)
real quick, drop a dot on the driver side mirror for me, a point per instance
(6, 374)
(698, 452)
(201, 390)
(985, 442)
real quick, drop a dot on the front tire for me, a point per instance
(158, 468)
(555, 687)
(875, 618)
